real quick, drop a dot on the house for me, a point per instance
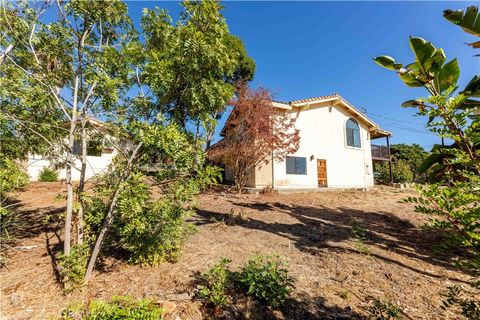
(335, 148)
(100, 152)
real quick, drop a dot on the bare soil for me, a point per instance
(335, 276)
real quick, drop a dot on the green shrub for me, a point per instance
(454, 208)
(401, 172)
(152, 231)
(215, 282)
(116, 309)
(383, 310)
(72, 267)
(48, 175)
(12, 177)
(267, 279)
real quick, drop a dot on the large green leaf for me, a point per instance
(412, 104)
(448, 75)
(409, 79)
(424, 52)
(468, 21)
(473, 87)
(387, 62)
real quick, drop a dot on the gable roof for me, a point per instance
(336, 99)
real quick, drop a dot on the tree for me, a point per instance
(255, 133)
(468, 21)
(401, 171)
(413, 155)
(74, 66)
(91, 63)
(456, 201)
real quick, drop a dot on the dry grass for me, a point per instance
(334, 279)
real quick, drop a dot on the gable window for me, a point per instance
(353, 133)
(296, 165)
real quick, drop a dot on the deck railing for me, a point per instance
(380, 152)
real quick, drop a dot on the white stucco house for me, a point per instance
(99, 156)
(335, 148)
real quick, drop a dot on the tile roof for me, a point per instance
(335, 95)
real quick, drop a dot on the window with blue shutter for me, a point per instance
(296, 165)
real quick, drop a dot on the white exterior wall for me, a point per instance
(323, 136)
(95, 165)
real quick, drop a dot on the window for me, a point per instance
(353, 133)
(94, 148)
(296, 165)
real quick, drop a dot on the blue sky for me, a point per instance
(308, 49)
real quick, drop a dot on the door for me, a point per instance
(322, 172)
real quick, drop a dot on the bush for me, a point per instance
(72, 267)
(151, 231)
(400, 170)
(215, 282)
(267, 279)
(48, 175)
(12, 177)
(118, 308)
(454, 208)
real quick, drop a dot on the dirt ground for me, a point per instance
(335, 276)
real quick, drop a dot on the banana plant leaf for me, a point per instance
(468, 20)
(448, 75)
(473, 87)
(387, 62)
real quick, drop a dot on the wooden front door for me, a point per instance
(322, 172)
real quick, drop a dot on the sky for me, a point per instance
(310, 49)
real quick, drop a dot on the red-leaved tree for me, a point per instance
(255, 133)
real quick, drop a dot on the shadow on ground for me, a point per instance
(318, 229)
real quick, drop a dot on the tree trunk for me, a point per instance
(109, 217)
(81, 186)
(68, 169)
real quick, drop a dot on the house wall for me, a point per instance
(323, 136)
(263, 174)
(95, 165)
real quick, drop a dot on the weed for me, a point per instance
(383, 310)
(267, 279)
(360, 234)
(461, 300)
(215, 282)
(118, 308)
(344, 294)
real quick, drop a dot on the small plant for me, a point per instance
(12, 177)
(383, 310)
(267, 279)
(360, 234)
(344, 294)
(48, 175)
(72, 267)
(9, 221)
(215, 283)
(461, 300)
(118, 308)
